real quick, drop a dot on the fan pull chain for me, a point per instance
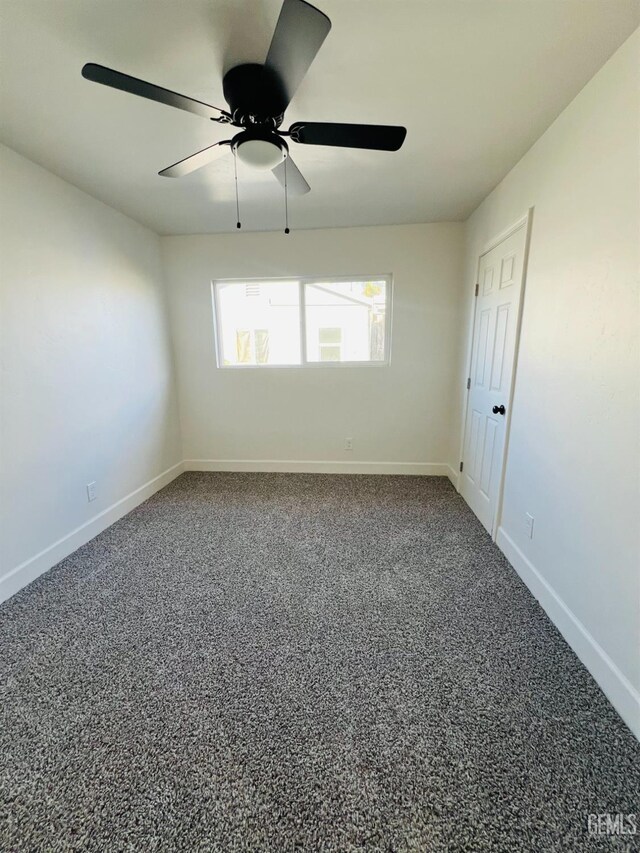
(286, 200)
(235, 170)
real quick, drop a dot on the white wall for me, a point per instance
(87, 382)
(399, 416)
(573, 453)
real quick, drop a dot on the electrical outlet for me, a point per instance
(529, 525)
(91, 491)
(348, 444)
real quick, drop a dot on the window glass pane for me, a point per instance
(258, 322)
(345, 320)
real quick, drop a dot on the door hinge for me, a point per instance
(461, 465)
(468, 383)
(477, 288)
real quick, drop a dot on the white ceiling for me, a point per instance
(475, 82)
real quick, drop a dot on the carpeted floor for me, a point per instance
(273, 662)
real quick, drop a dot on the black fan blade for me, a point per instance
(296, 184)
(298, 36)
(196, 161)
(380, 137)
(117, 80)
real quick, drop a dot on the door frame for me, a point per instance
(527, 221)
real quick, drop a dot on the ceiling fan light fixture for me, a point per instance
(260, 154)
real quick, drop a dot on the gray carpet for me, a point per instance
(272, 662)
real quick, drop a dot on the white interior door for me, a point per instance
(498, 296)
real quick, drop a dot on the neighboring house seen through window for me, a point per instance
(330, 344)
(302, 322)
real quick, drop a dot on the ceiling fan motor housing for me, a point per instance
(255, 95)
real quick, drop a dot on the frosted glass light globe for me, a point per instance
(260, 153)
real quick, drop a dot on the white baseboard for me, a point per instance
(295, 466)
(454, 476)
(614, 684)
(29, 570)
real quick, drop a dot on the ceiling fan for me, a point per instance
(258, 96)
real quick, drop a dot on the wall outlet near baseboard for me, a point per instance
(528, 524)
(91, 491)
(348, 444)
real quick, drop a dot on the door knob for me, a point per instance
(499, 410)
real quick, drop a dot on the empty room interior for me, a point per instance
(320, 425)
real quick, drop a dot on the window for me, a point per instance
(302, 322)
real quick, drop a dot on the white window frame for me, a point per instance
(302, 282)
